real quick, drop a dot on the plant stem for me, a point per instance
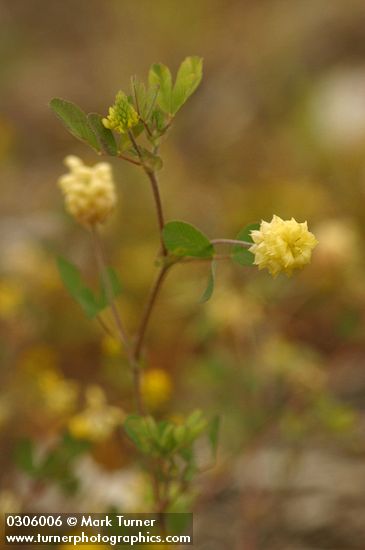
(122, 334)
(244, 244)
(156, 287)
(128, 159)
(157, 197)
(155, 190)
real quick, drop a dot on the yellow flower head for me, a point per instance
(98, 420)
(156, 388)
(282, 245)
(89, 191)
(122, 115)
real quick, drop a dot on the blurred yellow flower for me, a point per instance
(59, 395)
(11, 298)
(156, 388)
(122, 115)
(89, 191)
(282, 245)
(98, 420)
(9, 502)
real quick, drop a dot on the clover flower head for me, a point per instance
(282, 245)
(89, 191)
(122, 115)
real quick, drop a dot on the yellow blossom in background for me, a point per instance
(89, 191)
(11, 298)
(111, 346)
(98, 420)
(122, 115)
(9, 502)
(156, 388)
(58, 394)
(282, 245)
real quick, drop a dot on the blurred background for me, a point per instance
(277, 126)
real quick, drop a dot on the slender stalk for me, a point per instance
(155, 190)
(128, 159)
(122, 334)
(148, 311)
(158, 203)
(244, 244)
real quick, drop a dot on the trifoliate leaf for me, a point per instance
(188, 79)
(104, 135)
(160, 76)
(75, 121)
(183, 239)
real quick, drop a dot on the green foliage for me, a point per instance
(145, 98)
(188, 79)
(75, 121)
(91, 304)
(183, 239)
(213, 434)
(55, 465)
(104, 135)
(208, 292)
(172, 98)
(164, 438)
(239, 254)
(24, 456)
(160, 77)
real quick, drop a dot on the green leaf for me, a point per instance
(73, 282)
(116, 287)
(104, 135)
(183, 239)
(213, 434)
(24, 456)
(207, 294)
(145, 99)
(188, 79)
(75, 121)
(138, 432)
(240, 254)
(160, 76)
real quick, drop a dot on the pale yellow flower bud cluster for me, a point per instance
(89, 191)
(282, 245)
